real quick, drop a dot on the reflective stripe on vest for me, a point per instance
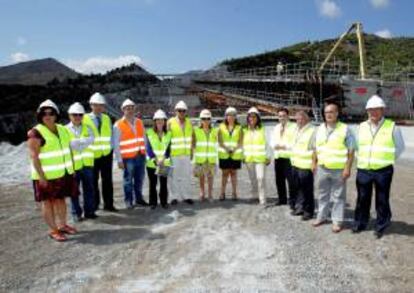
(285, 140)
(378, 151)
(55, 157)
(102, 143)
(331, 150)
(85, 157)
(159, 147)
(301, 155)
(230, 141)
(254, 145)
(131, 143)
(205, 146)
(180, 138)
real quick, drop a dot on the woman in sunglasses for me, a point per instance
(52, 169)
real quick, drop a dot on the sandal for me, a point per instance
(68, 230)
(318, 223)
(336, 228)
(57, 236)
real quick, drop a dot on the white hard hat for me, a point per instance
(253, 110)
(205, 114)
(127, 102)
(159, 114)
(230, 110)
(375, 102)
(97, 98)
(48, 104)
(181, 106)
(76, 108)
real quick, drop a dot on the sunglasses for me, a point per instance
(48, 113)
(77, 115)
(181, 111)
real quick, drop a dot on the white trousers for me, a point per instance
(179, 184)
(257, 179)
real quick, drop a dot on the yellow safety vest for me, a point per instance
(180, 138)
(301, 155)
(378, 151)
(331, 151)
(84, 158)
(55, 157)
(102, 144)
(284, 140)
(230, 141)
(205, 146)
(254, 145)
(159, 146)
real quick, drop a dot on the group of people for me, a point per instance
(174, 150)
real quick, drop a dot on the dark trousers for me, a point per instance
(84, 177)
(303, 198)
(163, 194)
(283, 174)
(365, 181)
(103, 168)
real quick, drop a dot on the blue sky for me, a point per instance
(171, 36)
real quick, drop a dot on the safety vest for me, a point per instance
(331, 150)
(180, 138)
(254, 145)
(301, 156)
(378, 151)
(55, 157)
(205, 146)
(85, 157)
(230, 141)
(159, 147)
(102, 143)
(131, 144)
(284, 140)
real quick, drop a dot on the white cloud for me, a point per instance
(329, 8)
(380, 3)
(385, 33)
(21, 41)
(19, 57)
(101, 64)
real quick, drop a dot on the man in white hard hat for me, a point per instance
(379, 144)
(101, 125)
(129, 148)
(81, 138)
(181, 134)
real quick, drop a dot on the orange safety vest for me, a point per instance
(131, 144)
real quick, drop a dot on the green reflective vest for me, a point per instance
(378, 151)
(159, 147)
(254, 145)
(102, 144)
(85, 157)
(331, 150)
(180, 138)
(231, 141)
(283, 140)
(205, 146)
(301, 156)
(55, 157)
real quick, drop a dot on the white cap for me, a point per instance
(205, 114)
(375, 102)
(230, 110)
(76, 108)
(181, 106)
(159, 114)
(253, 110)
(48, 104)
(127, 102)
(97, 98)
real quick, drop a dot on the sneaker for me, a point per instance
(306, 217)
(189, 201)
(111, 209)
(92, 216)
(174, 202)
(142, 202)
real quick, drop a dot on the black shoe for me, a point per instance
(189, 201)
(142, 202)
(296, 213)
(280, 203)
(111, 209)
(153, 207)
(174, 202)
(306, 217)
(378, 234)
(92, 216)
(357, 229)
(165, 206)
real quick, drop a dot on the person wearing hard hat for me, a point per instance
(129, 148)
(81, 139)
(204, 153)
(334, 147)
(101, 125)
(158, 147)
(52, 169)
(281, 140)
(230, 139)
(379, 144)
(302, 168)
(256, 152)
(181, 134)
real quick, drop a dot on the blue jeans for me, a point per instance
(84, 176)
(134, 173)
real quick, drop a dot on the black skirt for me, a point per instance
(229, 164)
